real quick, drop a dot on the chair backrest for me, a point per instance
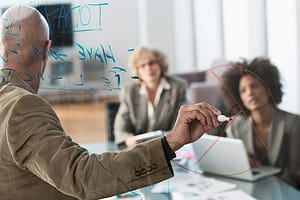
(208, 92)
(191, 77)
(111, 112)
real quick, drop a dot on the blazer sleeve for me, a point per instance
(38, 143)
(123, 124)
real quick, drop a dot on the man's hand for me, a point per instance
(192, 121)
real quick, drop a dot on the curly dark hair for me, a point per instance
(262, 69)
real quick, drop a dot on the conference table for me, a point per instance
(270, 188)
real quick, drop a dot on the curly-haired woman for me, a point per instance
(271, 135)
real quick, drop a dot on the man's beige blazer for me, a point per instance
(39, 161)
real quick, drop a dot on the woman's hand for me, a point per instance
(130, 141)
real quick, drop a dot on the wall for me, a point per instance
(194, 34)
(283, 41)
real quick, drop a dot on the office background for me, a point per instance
(195, 35)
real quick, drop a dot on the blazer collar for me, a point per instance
(164, 84)
(248, 129)
(275, 136)
(158, 103)
(10, 77)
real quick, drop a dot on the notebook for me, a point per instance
(227, 157)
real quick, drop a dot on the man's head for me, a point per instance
(24, 43)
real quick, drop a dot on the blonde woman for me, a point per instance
(152, 102)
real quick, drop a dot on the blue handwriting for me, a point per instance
(96, 54)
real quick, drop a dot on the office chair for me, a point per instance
(111, 112)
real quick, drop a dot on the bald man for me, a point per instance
(38, 160)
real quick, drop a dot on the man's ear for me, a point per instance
(47, 50)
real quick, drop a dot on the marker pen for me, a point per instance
(223, 118)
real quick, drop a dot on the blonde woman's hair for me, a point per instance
(141, 52)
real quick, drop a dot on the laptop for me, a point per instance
(227, 157)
